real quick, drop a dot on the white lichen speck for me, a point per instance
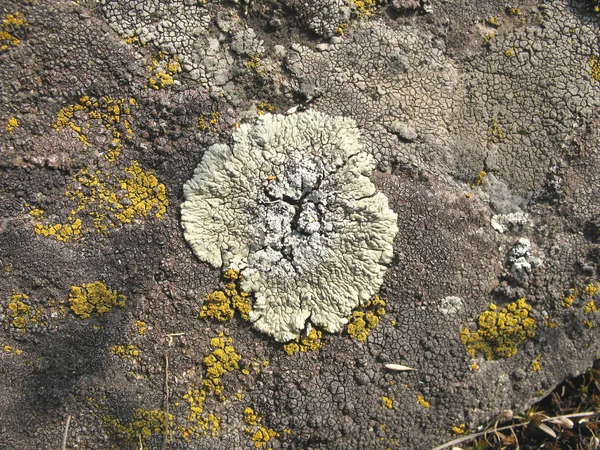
(289, 203)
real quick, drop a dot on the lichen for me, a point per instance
(221, 360)
(208, 124)
(21, 314)
(387, 402)
(536, 366)
(496, 132)
(141, 327)
(94, 298)
(143, 425)
(309, 342)
(114, 114)
(460, 429)
(221, 305)
(500, 332)
(421, 401)
(291, 206)
(106, 203)
(162, 70)
(124, 351)
(10, 28)
(12, 124)
(259, 434)
(366, 318)
(568, 300)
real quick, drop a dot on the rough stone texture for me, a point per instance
(435, 108)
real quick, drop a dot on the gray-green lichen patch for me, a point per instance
(290, 204)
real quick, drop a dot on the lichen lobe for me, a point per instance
(289, 203)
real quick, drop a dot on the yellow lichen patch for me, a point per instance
(62, 232)
(250, 417)
(259, 434)
(549, 323)
(459, 429)
(209, 123)
(512, 11)
(21, 314)
(113, 113)
(221, 360)
(364, 8)
(365, 318)
(12, 124)
(263, 108)
(255, 65)
(217, 306)
(10, 26)
(143, 425)
(106, 202)
(220, 305)
(94, 298)
(144, 193)
(124, 351)
(590, 307)
(387, 402)
(499, 332)
(594, 68)
(474, 367)
(495, 131)
(509, 52)
(421, 401)
(141, 327)
(568, 300)
(200, 423)
(306, 343)
(479, 180)
(162, 70)
(591, 289)
(536, 365)
(588, 324)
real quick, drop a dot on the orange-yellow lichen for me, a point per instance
(263, 108)
(499, 332)
(162, 70)
(143, 425)
(591, 289)
(387, 402)
(259, 434)
(209, 123)
(113, 113)
(365, 318)
(459, 429)
(141, 327)
(21, 314)
(12, 124)
(568, 300)
(255, 65)
(594, 68)
(421, 401)
(306, 343)
(220, 305)
(364, 8)
(124, 351)
(590, 307)
(221, 360)
(536, 365)
(479, 180)
(107, 203)
(10, 26)
(94, 298)
(496, 133)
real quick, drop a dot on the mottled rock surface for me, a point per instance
(484, 125)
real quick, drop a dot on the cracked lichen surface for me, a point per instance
(290, 204)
